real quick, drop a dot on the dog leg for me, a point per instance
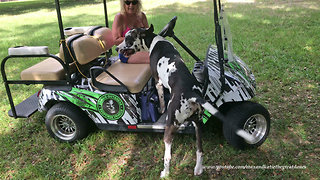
(198, 168)
(159, 87)
(167, 158)
(168, 138)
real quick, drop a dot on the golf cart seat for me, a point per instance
(97, 40)
(133, 76)
(84, 49)
(47, 70)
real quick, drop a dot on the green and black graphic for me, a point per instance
(111, 106)
(237, 68)
(108, 105)
(206, 116)
(81, 98)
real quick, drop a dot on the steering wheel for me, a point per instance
(168, 29)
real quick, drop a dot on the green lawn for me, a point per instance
(279, 40)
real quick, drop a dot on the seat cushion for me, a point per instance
(47, 70)
(134, 76)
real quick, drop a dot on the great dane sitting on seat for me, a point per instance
(169, 70)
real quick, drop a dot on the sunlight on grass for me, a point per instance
(154, 4)
(17, 1)
(237, 15)
(157, 3)
(265, 21)
(239, 1)
(308, 48)
(311, 86)
(313, 5)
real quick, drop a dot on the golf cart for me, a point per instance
(82, 85)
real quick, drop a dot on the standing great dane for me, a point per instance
(169, 70)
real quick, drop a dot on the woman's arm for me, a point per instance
(117, 29)
(144, 20)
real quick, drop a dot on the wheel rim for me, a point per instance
(256, 125)
(63, 127)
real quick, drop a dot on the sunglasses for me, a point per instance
(131, 2)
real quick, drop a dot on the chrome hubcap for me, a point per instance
(256, 125)
(63, 127)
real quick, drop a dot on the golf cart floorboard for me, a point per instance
(160, 121)
(26, 108)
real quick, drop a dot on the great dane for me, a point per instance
(169, 70)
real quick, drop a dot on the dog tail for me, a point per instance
(216, 113)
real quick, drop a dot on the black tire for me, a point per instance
(67, 123)
(251, 117)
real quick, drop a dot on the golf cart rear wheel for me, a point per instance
(252, 118)
(66, 122)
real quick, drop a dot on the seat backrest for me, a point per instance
(85, 48)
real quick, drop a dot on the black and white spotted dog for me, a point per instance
(169, 70)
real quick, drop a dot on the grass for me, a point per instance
(279, 40)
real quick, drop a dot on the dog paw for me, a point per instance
(198, 170)
(164, 174)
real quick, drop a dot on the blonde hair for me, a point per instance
(123, 10)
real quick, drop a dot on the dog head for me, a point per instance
(136, 40)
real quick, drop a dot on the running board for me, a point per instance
(26, 108)
(145, 127)
(184, 128)
(158, 126)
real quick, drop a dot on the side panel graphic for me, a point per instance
(102, 108)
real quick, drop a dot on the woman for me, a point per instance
(130, 17)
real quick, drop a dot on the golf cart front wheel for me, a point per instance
(66, 122)
(252, 118)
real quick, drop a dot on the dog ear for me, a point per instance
(143, 32)
(150, 29)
